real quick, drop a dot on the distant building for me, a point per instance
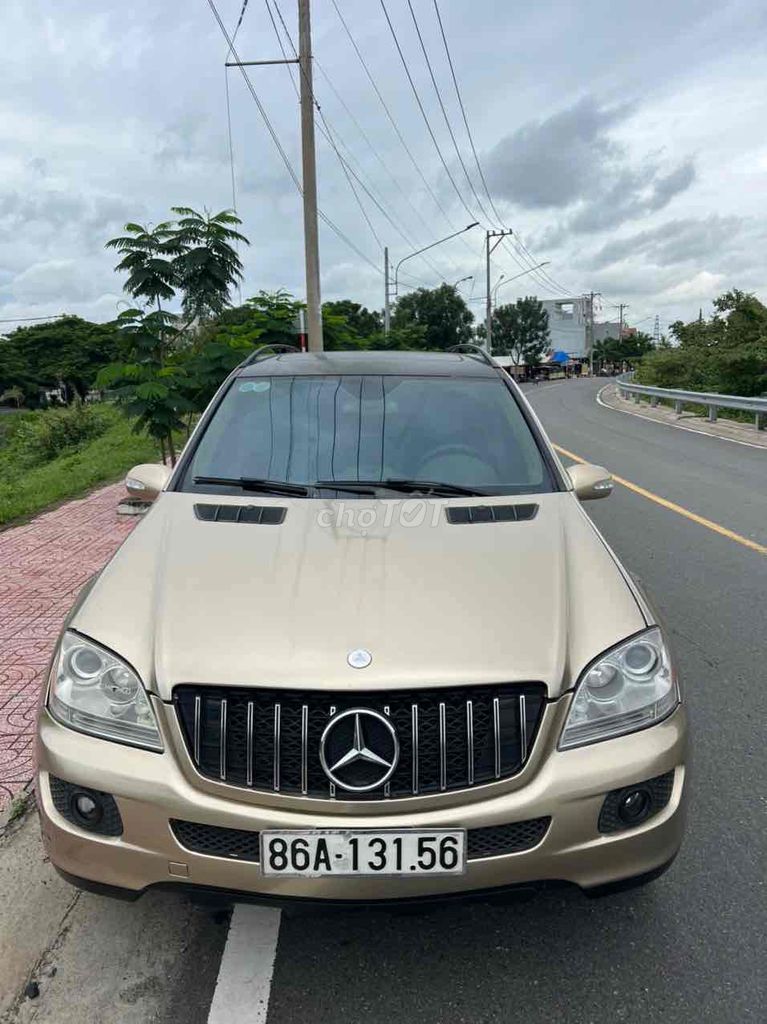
(568, 324)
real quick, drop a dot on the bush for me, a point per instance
(39, 437)
(741, 371)
(26, 491)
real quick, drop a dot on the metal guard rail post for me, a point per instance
(713, 402)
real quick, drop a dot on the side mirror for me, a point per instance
(146, 481)
(590, 482)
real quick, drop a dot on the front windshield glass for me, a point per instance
(466, 432)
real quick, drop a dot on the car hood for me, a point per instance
(191, 601)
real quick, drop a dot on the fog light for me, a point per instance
(88, 809)
(635, 806)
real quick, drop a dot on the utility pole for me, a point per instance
(656, 331)
(311, 231)
(621, 307)
(498, 236)
(387, 309)
(590, 326)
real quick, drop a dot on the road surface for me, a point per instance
(690, 948)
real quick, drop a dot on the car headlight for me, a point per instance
(629, 688)
(95, 692)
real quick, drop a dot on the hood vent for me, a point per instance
(490, 513)
(265, 515)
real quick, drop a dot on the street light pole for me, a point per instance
(462, 279)
(419, 251)
(311, 231)
(508, 280)
(387, 300)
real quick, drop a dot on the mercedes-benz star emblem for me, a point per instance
(359, 750)
(359, 658)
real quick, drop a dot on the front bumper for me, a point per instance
(569, 786)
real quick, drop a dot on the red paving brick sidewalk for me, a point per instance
(42, 567)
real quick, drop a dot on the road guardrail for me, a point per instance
(713, 402)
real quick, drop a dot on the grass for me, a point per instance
(24, 491)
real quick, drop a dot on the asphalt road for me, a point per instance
(689, 948)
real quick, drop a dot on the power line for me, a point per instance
(390, 116)
(444, 111)
(540, 276)
(425, 116)
(26, 319)
(326, 134)
(330, 135)
(370, 145)
(275, 139)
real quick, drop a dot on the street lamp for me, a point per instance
(462, 279)
(496, 286)
(410, 256)
(516, 276)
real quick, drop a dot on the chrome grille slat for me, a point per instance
(450, 738)
(197, 713)
(304, 746)
(414, 740)
(442, 748)
(249, 744)
(497, 735)
(222, 741)
(470, 742)
(276, 778)
(522, 728)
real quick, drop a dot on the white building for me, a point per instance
(568, 324)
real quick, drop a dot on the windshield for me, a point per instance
(465, 433)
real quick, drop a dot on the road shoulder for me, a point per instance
(725, 430)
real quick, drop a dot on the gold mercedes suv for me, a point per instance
(365, 645)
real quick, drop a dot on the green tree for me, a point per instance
(148, 258)
(150, 384)
(67, 351)
(362, 322)
(521, 330)
(726, 353)
(195, 258)
(206, 265)
(441, 312)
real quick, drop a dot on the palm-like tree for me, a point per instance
(207, 265)
(148, 257)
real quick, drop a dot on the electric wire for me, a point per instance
(425, 116)
(278, 145)
(330, 135)
(547, 278)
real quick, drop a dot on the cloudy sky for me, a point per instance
(624, 142)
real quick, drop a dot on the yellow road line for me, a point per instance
(700, 520)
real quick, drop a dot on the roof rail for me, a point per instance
(266, 352)
(474, 350)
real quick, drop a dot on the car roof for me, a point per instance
(331, 364)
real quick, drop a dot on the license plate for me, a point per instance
(311, 853)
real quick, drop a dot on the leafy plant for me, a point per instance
(441, 312)
(521, 330)
(195, 257)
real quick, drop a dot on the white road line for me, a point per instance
(675, 426)
(245, 973)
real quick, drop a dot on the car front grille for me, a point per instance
(449, 739)
(239, 844)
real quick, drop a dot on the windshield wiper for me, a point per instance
(352, 486)
(248, 483)
(409, 486)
